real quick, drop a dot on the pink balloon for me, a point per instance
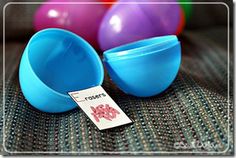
(82, 19)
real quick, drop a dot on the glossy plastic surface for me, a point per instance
(139, 48)
(125, 23)
(82, 19)
(146, 72)
(55, 62)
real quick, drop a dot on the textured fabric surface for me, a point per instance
(193, 109)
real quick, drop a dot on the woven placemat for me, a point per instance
(193, 110)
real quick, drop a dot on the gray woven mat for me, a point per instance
(194, 109)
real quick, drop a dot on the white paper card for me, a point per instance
(100, 107)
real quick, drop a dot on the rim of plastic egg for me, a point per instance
(141, 47)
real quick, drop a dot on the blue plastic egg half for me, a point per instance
(55, 62)
(144, 68)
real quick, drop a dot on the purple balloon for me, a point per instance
(82, 19)
(125, 23)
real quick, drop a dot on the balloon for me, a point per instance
(126, 23)
(82, 19)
